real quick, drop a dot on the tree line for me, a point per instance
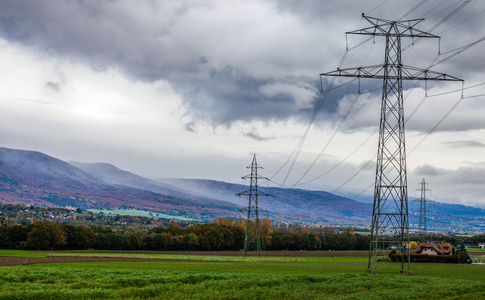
(218, 235)
(56, 236)
(221, 234)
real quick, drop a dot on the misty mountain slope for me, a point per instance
(320, 206)
(207, 188)
(35, 178)
(448, 209)
(113, 175)
(44, 168)
(289, 204)
(31, 177)
(9, 178)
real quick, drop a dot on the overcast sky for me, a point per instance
(191, 89)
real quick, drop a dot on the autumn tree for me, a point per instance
(265, 232)
(413, 245)
(327, 230)
(46, 236)
(348, 230)
(79, 237)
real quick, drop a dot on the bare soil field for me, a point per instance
(271, 253)
(13, 260)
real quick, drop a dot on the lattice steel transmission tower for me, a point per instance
(390, 217)
(252, 221)
(422, 208)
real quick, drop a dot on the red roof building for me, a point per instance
(435, 249)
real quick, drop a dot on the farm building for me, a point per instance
(476, 246)
(435, 249)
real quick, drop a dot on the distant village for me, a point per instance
(28, 214)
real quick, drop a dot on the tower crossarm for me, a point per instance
(383, 27)
(260, 210)
(254, 193)
(378, 72)
(254, 177)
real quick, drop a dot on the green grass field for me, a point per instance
(23, 253)
(236, 278)
(141, 213)
(211, 258)
(476, 250)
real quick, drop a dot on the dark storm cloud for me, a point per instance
(428, 170)
(462, 176)
(463, 185)
(256, 136)
(230, 95)
(121, 34)
(225, 69)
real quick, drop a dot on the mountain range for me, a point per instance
(34, 178)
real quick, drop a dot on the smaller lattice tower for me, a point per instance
(422, 208)
(252, 239)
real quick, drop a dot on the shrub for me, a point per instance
(463, 257)
(413, 245)
(460, 257)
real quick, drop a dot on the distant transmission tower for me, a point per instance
(390, 218)
(422, 208)
(252, 221)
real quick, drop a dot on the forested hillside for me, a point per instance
(36, 179)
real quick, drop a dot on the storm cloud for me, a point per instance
(231, 61)
(167, 80)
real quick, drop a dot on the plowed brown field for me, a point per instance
(11, 260)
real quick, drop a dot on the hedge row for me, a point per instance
(459, 257)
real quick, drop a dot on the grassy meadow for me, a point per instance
(136, 212)
(224, 277)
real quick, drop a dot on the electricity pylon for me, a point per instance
(253, 207)
(390, 210)
(422, 208)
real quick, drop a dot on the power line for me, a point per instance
(330, 139)
(434, 8)
(321, 100)
(299, 146)
(340, 162)
(467, 19)
(412, 10)
(355, 150)
(437, 124)
(337, 129)
(422, 101)
(319, 104)
(419, 143)
(414, 41)
(459, 50)
(376, 8)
